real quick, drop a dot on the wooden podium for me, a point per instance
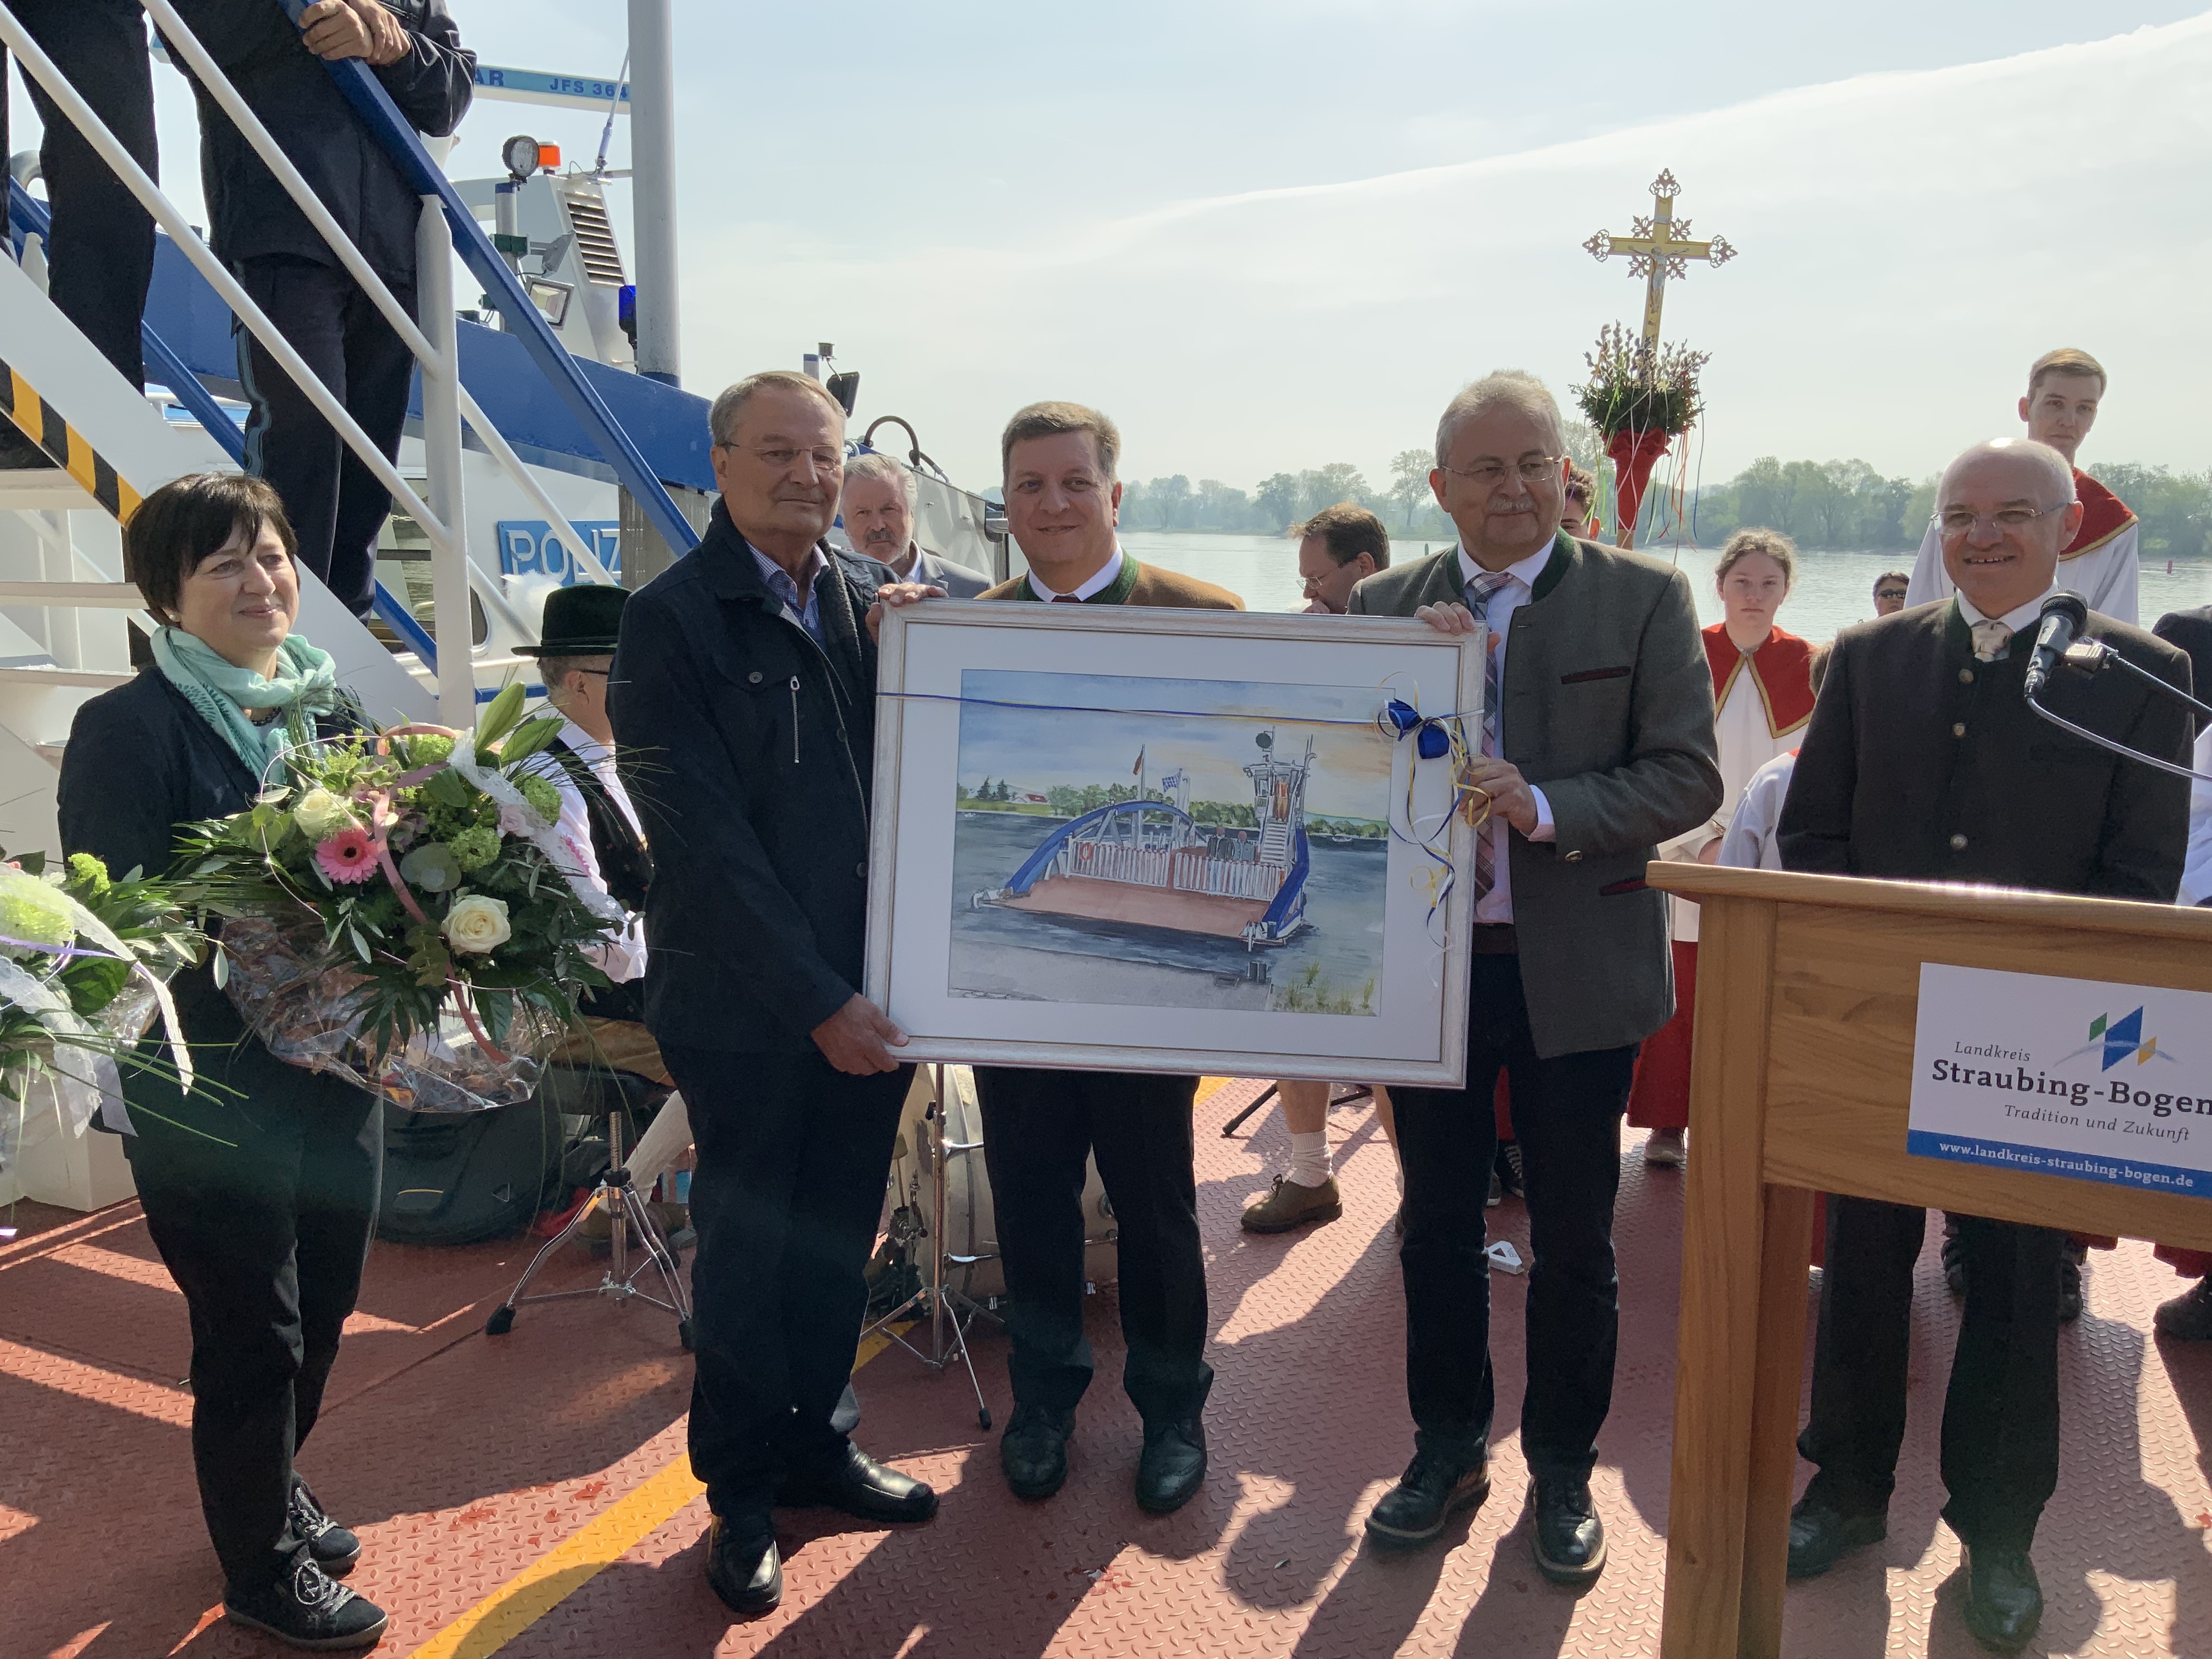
(1807, 988)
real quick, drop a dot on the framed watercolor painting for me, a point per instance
(1173, 840)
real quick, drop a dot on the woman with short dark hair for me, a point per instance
(260, 1190)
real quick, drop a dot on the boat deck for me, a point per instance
(529, 1497)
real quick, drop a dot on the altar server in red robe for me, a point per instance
(1763, 690)
(2065, 389)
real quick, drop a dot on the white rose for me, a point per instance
(477, 924)
(321, 814)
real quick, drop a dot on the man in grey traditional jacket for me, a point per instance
(1595, 746)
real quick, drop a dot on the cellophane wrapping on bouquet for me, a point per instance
(302, 1000)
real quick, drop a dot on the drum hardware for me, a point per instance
(950, 1312)
(625, 1206)
(1229, 1129)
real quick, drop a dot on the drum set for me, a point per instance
(940, 1226)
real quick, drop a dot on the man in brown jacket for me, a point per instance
(1062, 504)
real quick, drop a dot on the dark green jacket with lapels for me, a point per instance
(1922, 763)
(1608, 709)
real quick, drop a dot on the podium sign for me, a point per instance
(1824, 1007)
(2097, 1081)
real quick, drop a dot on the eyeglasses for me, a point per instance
(1959, 521)
(1889, 594)
(1533, 468)
(782, 460)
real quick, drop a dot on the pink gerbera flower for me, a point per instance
(348, 856)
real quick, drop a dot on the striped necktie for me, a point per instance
(1478, 594)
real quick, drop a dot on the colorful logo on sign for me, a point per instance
(2119, 1039)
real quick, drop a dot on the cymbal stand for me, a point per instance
(950, 1312)
(625, 1206)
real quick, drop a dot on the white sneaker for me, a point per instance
(1668, 1149)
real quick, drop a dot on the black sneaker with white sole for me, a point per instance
(307, 1609)
(334, 1548)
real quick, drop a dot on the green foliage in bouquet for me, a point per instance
(72, 940)
(416, 860)
(1634, 387)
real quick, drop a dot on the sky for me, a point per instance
(1351, 763)
(1269, 237)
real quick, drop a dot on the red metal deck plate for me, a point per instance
(466, 1462)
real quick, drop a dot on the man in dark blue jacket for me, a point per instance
(335, 503)
(743, 705)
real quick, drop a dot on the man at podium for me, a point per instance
(1923, 763)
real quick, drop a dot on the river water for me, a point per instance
(1833, 589)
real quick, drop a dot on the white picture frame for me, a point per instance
(1243, 954)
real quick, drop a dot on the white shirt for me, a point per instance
(2196, 870)
(1747, 742)
(621, 958)
(2021, 618)
(1098, 583)
(1496, 905)
(2104, 576)
(1753, 842)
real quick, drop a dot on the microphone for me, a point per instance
(2065, 615)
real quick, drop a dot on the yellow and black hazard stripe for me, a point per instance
(42, 423)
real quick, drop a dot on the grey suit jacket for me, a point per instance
(1609, 707)
(957, 580)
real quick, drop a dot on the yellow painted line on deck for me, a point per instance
(581, 1556)
(1206, 1085)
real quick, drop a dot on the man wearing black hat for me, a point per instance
(575, 653)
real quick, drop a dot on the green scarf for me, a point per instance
(222, 692)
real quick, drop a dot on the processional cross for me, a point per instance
(1659, 249)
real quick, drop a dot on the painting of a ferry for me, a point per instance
(1235, 860)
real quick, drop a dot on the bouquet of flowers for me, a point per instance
(403, 912)
(84, 962)
(1639, 396)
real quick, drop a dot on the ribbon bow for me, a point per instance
(1432, 738)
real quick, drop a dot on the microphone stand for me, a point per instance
(2093, 656)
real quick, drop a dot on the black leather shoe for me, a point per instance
(1431, 1489)
(334, 1548)
(1568, 1539)
(1173, 1466)
(862, 1488)
(307, 1609)
(1820, 1536)
(743, 1566)
(2004, 1602)
(2188, 1317)
(1033, 1451)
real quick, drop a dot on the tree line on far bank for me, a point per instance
(1841, 505)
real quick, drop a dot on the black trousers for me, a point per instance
(335, 503)
(266, 1237)
(1567, 1113)
(2000, 1411)
(792, 1156)
(1039, 1128)
(100, 258)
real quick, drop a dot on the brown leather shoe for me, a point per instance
(1289, 1204)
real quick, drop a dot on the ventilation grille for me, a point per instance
(595, 240)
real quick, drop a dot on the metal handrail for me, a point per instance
(183, 42)
(373, 104)
(41, 67)
(26, 211)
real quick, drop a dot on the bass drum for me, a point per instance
(970, 1244)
